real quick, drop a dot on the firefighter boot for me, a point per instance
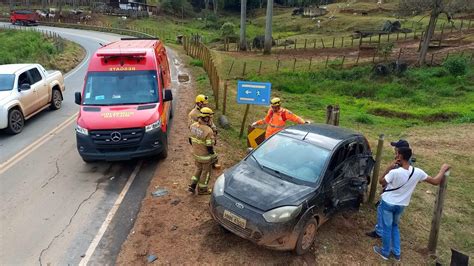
(192, 186)
(204, 190)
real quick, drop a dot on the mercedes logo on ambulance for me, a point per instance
(115, 136)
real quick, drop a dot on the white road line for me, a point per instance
(109, 217)
(35, 145)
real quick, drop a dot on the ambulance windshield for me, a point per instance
(121, 88)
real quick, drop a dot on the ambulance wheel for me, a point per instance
(164, 152)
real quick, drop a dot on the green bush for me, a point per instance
(196, 62)
(34, 47)
(456, 65)
(364, 119)
(228, 30)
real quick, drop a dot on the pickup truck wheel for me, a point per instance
(86, 160)
(16, 121)
(306, 237)
(56, 100)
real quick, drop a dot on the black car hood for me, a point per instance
(256, 187)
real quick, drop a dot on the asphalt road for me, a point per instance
(54, 205)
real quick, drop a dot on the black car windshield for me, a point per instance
(6, 82)
(121, 87)
(292, 158)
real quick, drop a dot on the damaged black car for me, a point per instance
(281, 192)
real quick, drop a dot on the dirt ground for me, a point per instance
(178, 229)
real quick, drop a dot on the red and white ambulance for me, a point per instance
(126, 102)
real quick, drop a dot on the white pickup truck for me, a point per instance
(25, 90)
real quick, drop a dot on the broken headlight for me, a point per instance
(282, 214)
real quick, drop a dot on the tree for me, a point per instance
(267, 48)
(243, 18)
(436, 8)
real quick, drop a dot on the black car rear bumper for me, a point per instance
(278, 236)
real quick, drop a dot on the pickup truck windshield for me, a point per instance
(120, 88)
(6, 82)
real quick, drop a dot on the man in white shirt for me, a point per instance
(399, 184)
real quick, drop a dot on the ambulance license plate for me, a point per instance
(235, 219)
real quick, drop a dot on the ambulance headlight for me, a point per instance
(154, 125)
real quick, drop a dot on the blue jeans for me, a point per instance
(391, 234)
(379, 225)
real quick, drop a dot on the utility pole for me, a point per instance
(267, 48)
(243, 19)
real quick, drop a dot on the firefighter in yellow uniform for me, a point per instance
(201, 102)
(202, 140)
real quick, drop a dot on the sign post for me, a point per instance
(256, 93)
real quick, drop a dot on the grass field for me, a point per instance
(430, 107)
(32, 47)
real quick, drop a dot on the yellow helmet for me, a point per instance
(275, 101)
(201, 98)
(206, 112)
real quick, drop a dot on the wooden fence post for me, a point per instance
(294, 65)
(399, 53)
(343, 58)
(310, 61)
(278, 65)
(322, 42)
(375, 173)
(305, 40)
(352, 41)
(342, 41)
(296, 40)
(327, 59)
(224, 101)
(333, 41)
(243, 71)
(438, 211)
(358, 56)
(243, 120)
(314, 45)
(462, 23)
(432, 57)
(260, 68)
(231, 66)
(441, 35)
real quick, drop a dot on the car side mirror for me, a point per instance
(24, 87)
(77, 98)
(168, 96)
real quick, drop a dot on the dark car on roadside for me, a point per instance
(282, 191)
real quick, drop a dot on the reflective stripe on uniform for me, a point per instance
(198, 141)
(208, 142)
(275, 126)
(205, 157)
(194, 179)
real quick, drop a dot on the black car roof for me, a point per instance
(326, 136)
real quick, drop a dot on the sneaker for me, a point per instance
(379, 251)
(396, 257)
(373, 234)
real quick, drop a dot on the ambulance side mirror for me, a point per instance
(168, 96)
(77, 98)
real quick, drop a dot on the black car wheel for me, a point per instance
(87, 160)
(306, 237)
(56, 100)
(16, 121)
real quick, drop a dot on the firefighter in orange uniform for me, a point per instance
(202, 140)
(276, 118)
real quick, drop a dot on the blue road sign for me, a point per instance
(249, 92)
